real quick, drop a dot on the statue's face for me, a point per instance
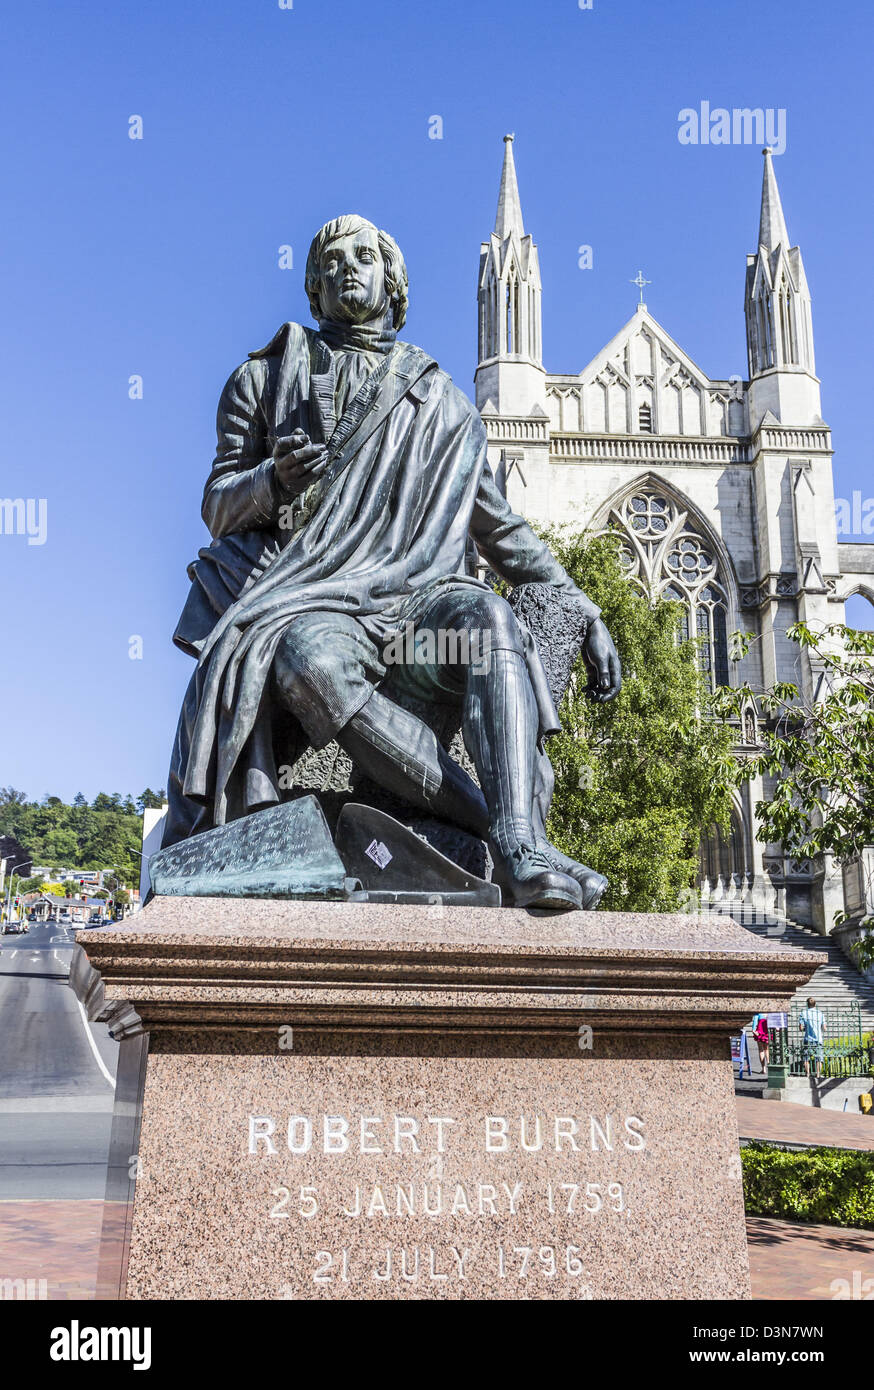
(352, 274)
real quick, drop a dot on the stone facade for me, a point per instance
(722, 487)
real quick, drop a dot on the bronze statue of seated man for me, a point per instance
(350, 479)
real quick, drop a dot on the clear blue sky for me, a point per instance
(160, 257)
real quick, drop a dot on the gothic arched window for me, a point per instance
(766, 349)
(665, 556)
(494, 345)
(724, 855)
(532, 323)
(788, 327)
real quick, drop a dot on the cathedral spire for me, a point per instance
(509, 216)
(772, 223)
(510, 379)
(779, 323)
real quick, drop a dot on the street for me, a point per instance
(56, 1075)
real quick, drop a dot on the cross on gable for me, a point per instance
(640, 280)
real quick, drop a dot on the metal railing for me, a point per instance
(845, 1050)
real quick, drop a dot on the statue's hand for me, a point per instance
(297, 462)
(602, 659)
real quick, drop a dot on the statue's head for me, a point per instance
(356, 273)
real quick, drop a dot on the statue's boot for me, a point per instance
(592, 884)
(528, 879)
(400, 753)
(500, 731)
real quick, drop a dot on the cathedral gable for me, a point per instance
(643, 382)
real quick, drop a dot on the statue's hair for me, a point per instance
(396, 284)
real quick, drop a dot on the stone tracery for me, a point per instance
(666, 556)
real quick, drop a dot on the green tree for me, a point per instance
(61, 845)
(151, 800)
(819, 750)
(638, 780)
(78, 836)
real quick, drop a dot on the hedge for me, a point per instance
(834, 1187)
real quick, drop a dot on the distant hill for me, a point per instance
(101, 835)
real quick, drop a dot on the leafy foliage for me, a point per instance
(832, 1186)
(641, 778)
(80, 836)
(29, 885)
(819, 747)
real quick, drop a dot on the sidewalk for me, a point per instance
(803, 1124)
(57, 1241)
(793, 1261)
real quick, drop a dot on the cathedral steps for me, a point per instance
(836, 983)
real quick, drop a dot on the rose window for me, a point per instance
(689, 561)
(664, 556)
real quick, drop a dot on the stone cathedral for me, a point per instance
(721, 488)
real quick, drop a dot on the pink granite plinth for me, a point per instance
(371, 1101)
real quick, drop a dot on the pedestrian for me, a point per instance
(812, 1028)
(762, 1037)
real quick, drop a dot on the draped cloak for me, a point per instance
(407, 487)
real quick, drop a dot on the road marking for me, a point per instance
(97, 1057)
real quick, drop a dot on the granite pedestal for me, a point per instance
(372, 1101)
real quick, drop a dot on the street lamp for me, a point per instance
(15, 864)
(119, 883)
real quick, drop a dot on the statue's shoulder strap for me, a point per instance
(290, 334)
(412, 366)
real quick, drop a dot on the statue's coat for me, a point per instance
(406, 488)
